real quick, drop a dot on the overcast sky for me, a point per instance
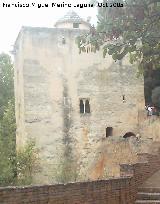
(12, 19)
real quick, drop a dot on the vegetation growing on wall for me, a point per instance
(26, 162)
(66, 172)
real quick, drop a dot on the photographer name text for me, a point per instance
(58, 5)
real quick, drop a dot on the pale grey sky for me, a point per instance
(12, 19)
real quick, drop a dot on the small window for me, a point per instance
(109, 131)
(63, 41)
(84, 106)
(124, 98)
(87, 106)
(81, 106)
(75, 25)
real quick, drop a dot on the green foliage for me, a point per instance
(66, 171)
(26, 162)
(8, 146)
(6, 82)
(14, 168)
(7, 168)
(7, 123)
(132, 29)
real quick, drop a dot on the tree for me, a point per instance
(8, 146)
(7, 122)
(6, 82)
(132, 29)
(15, 167)
(27, 161)
(156, 96)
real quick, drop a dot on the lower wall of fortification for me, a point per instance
(112, 191)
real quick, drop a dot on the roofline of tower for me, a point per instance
(71, 21)
(25, 28)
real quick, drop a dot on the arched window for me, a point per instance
(87, 106)
(84, 106)
(129, 134)
(81, 106)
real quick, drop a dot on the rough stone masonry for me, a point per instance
(66, 100)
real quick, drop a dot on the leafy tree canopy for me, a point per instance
(7, 122)
(15, 168)
(6, 82)
(132, 29)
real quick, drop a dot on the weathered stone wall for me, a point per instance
(149, 126)
(53, 77)
(103, 160)
(19, 92)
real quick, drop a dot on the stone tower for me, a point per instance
(68, 101)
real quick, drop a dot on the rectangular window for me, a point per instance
(109, 131)
(75, 25)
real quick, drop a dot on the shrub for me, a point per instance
(26, 161)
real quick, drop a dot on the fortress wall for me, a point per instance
(55, 78)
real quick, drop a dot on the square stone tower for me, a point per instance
(68, 101)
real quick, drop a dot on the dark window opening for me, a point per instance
(75, 25)
(81, 106)
(87, 106)
(124, 98)
(63, 41)
(109, 131)
(129, 134)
